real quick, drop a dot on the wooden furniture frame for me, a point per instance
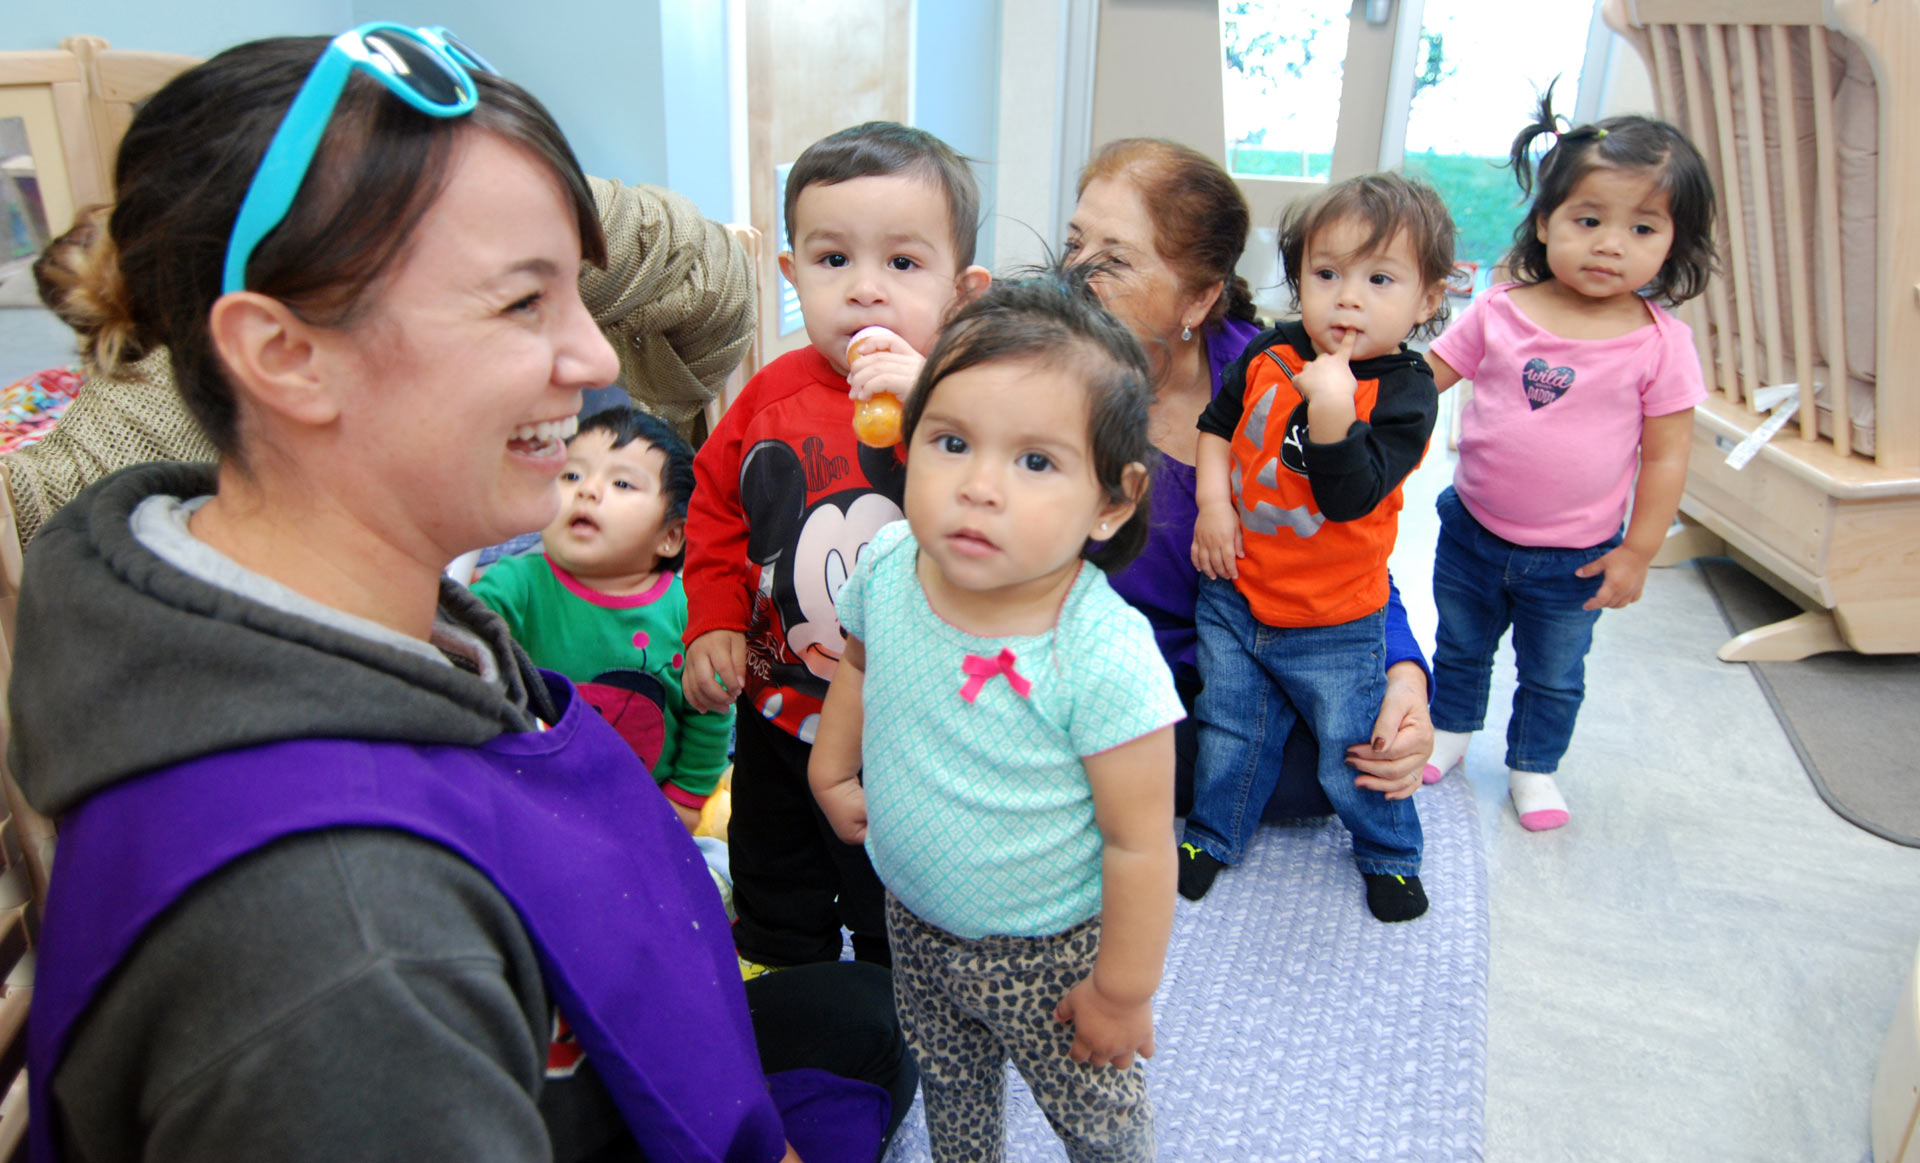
(1834, 529)
(46, 91)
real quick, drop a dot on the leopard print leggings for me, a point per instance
(966, 1006)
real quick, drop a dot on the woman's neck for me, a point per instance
(1178, 399)
(319, 551)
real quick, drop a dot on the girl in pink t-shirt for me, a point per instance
(1579, 377)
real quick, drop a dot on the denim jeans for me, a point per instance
(1483, 584)
(1261, 682)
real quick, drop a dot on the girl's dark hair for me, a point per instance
(1050, 315)
(1385, 204)
(1199, 216)
(185, 164)
(1619, 143)
(625, 424)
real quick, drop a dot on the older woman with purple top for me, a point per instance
(1169, 225)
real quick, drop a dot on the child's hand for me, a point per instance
(715, 670)
(1626, 571)
(688, 816)
(1329, 376)
(886, 364)
(1218, 541)
(1104, 1033)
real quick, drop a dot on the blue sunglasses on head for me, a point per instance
(425, 67)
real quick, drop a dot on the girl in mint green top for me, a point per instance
(1013, 716)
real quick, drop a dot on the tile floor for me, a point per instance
(1702, 965)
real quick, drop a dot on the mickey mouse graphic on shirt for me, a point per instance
(806, 550)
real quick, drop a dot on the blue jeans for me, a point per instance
(1261, 682)
(1483, 584)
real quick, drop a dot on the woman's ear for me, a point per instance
(1195, 316)
(274, 357)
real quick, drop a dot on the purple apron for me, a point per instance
(574, 834)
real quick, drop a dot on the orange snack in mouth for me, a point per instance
(876, 420)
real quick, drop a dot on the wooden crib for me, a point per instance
(1819, 287)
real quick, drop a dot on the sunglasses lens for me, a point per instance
(465, 52)
(420, 67)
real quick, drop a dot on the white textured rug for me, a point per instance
(1291, 1025)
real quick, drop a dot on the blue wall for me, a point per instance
(639, 86)
(594, 63)
(696, 106)
(195, 27)
(956, 88)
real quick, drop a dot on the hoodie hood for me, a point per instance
(123, 663)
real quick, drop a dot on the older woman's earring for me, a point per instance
(1186, 334)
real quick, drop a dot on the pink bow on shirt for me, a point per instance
(979, 670)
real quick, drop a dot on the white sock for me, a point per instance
(1449, 748)
(1537, 798)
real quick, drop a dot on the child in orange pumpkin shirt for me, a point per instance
(1301, 458)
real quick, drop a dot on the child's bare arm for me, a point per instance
(1112, 1009)
(1217, 536)
(833, 769)
(1664, 441)
(1444, 376)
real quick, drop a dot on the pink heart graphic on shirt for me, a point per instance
(1544, 384)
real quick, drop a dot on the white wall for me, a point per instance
(1031, 95)
(956, 64)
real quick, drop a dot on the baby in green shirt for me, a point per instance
(603, 603)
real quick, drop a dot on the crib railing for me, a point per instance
(1789, 104)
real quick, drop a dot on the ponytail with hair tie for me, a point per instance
(1519, 157)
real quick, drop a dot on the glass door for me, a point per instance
(1321, 90)
(1478, 68)
(1304, 101)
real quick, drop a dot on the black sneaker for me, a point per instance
(1394, 898)
(1197, 870)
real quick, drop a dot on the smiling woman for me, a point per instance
(417, 883)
